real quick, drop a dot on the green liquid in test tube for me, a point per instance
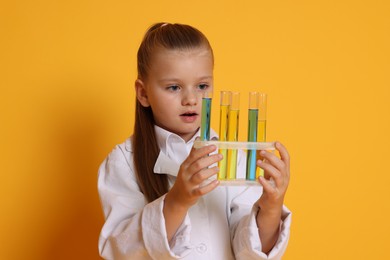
(253, 114)
(223, 129)
(206, 117)
(232, 135)
(261, 127)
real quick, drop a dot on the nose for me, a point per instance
(190, 98)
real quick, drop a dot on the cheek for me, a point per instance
(161, 105)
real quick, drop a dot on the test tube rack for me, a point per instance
(229, 145)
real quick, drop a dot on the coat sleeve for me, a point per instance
(243, 227)
(133, 229)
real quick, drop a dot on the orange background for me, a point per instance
(67, 73)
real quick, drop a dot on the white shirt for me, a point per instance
(221, 225)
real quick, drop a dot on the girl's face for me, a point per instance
(174, 87)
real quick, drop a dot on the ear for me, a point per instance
(140, 90)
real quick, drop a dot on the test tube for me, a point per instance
(206, 116)
(261, 128)
(253, 113)
(232, 134)
(226, 97)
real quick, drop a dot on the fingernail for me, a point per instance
(262, 153)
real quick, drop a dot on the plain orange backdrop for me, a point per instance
(67, 75)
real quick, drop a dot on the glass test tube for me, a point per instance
(253, 113)
(206, 116)
(232, 134)
(226, 97)
(261, 128)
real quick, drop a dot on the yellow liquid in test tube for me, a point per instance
(232, 136)
(261, 133)
(223, 129)
(261, 127)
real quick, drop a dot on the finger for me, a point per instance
(284, 155)
(271, 171)
(200, 191)
(203, 151)
(203, 175)
(197, 153)
(205, 162)
(273, 159)
(267, 186)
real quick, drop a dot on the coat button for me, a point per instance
(201, 248)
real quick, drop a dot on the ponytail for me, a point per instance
(145, 148)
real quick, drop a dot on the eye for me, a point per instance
(173, 88)
(203, 86)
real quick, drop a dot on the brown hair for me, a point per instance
(144, 142)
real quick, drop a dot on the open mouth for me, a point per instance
(189, 114)
(189, 117)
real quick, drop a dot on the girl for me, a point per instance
(152, 187)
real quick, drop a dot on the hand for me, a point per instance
(279, 170)
(193, 171)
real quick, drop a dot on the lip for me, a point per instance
(189, 116)
(191, 112)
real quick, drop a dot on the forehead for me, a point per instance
(193, 53)
(194, 61)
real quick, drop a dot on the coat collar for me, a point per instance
(173, 150)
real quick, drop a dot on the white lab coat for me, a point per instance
(221, 225)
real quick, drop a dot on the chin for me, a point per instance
(189, 133)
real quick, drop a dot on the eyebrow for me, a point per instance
(177, 79)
